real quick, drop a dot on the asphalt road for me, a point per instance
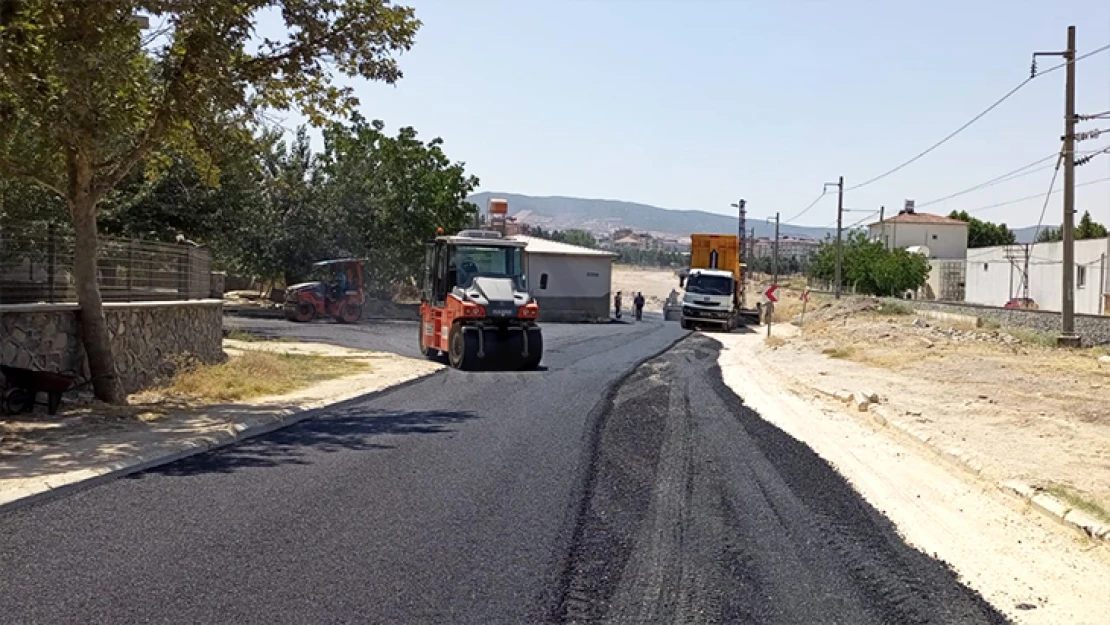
(551, 496)
(447, 501)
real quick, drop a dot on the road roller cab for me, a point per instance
(475, 306)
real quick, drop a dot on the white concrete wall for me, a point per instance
(943, 240)
(992, 279)
(570, 276)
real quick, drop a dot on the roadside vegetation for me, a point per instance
(255, 373)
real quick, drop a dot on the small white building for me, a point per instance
(944, 237)
(995, 275)
(942, 240)
(569, 282)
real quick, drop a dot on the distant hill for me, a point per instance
(561, 213)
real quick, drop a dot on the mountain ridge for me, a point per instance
(558, 212)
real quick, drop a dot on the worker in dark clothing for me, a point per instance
(639, 304)
(617, 304)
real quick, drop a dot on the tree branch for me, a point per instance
(10, 169)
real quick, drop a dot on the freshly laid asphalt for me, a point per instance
(587, 491)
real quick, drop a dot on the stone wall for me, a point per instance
(147, 337)
(1093, 329)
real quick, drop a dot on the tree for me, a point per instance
(984, 233)
(870, 267)
(390, 195)
(1049, 235)
(581, 238)
(84, 98)
(1089, 228)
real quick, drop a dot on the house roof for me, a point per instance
(921, 218)
(629, 239)
(536, 245)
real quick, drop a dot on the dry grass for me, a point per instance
(774, 341)
(258, 373)
(844, 353)
(1078, 502)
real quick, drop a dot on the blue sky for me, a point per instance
(695, 103)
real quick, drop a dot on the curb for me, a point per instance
(231, 434)
(1057, 510)
(1043, 502)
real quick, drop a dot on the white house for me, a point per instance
(995, 275)
(942, 240)
(944, 237)
(569, 282)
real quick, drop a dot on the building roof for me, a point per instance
(631, 240)
(536, 245)
(921, 218)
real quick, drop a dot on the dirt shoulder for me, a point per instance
(88, 440)
(1021, 409)
(1024, 564)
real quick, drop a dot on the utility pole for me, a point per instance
(740, 257)
(882, 211)
(839, 184)
(775, 257)
(1068, 337)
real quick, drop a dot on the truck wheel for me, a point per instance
(462, 348)
(685, 325)
(535, 350)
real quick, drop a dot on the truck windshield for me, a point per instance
(474, 261)
(709, 285)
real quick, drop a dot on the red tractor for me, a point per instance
(337, 292)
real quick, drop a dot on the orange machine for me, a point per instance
(337, 293)
(475, 306)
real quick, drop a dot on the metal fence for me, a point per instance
(36, 265)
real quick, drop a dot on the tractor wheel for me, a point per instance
(349, 312)
(302, 313)
(462, 348)
(535, 350)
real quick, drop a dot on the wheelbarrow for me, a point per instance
(24, 386)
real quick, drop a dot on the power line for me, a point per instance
(993, 181)
(1033, 197)
(806, 209)
(981, 115)
(1047, 196)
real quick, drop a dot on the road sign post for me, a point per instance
(770, 307)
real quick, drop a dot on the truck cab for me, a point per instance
(710, 298)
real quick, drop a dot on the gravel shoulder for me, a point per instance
(1021, 562)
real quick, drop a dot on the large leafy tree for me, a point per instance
(85, 96)
(390, 194)
(984, 233)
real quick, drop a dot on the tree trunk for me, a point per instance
(93, 324)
